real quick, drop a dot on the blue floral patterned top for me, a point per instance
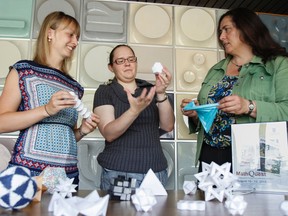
(219, 135)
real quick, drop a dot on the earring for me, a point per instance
(49, 39)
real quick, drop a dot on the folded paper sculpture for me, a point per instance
(51, 177)
(92, 204)
(122, 188)
(189, 187)
(17, 188)
(216, 181)
(152, 183)
(143, 199)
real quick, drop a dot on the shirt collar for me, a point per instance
(255, 60)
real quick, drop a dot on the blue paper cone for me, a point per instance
(206, 113)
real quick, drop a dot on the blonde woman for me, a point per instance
(36, 101)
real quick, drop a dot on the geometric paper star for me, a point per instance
(65, 187)
(216, 181)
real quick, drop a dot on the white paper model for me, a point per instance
(79, 106)
(157, 68)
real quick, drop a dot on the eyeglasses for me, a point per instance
(120, 61)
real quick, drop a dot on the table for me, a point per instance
(258, 204)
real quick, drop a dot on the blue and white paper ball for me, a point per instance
(17, 188)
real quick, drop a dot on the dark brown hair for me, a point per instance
(111, 56)
(255, 33)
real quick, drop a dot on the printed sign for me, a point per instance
(260, 156)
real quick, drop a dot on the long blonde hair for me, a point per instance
(53, 21)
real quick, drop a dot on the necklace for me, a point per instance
(236, 64)
(239, 66)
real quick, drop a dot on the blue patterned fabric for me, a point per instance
(220, 133)
(51, 142)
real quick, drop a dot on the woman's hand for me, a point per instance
(189, 113)
(58, 101)
(141, 102)
(234, 104)
(163, 80)
(90, 124)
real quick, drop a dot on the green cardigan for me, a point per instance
(265, 84)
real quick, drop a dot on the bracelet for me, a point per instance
(81, 132)
(47, 111)
(165, 98)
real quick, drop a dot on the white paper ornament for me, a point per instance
(79, 106)
(236, 205)
(143, 199)
(17, 188)
(189, 187)
(216, 181)
(157, 68)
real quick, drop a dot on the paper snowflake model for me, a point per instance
(236, 205)
(66, 187)
(216, 181)
(143, 199)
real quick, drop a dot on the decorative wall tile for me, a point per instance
(195, 27)
(104, 21)
(186, 152)
(168, 135)
(147, 56)
(45, 7)
(6, 148)
(192, 67)
(181, 120)
(89, 169)
(8, 143)
(150, 24)
(93, 66)
(169, 152)
(11, 51)
(88, 100)
(15, 18)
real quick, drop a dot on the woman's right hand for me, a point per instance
(58, 101)
(189, 113)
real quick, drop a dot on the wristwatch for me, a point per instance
(250, 107)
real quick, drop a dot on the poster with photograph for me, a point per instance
(260, 156)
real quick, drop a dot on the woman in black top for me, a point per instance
(132, 111)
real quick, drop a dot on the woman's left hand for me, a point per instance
(234, 104)
(90, 124)
(163, 80)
